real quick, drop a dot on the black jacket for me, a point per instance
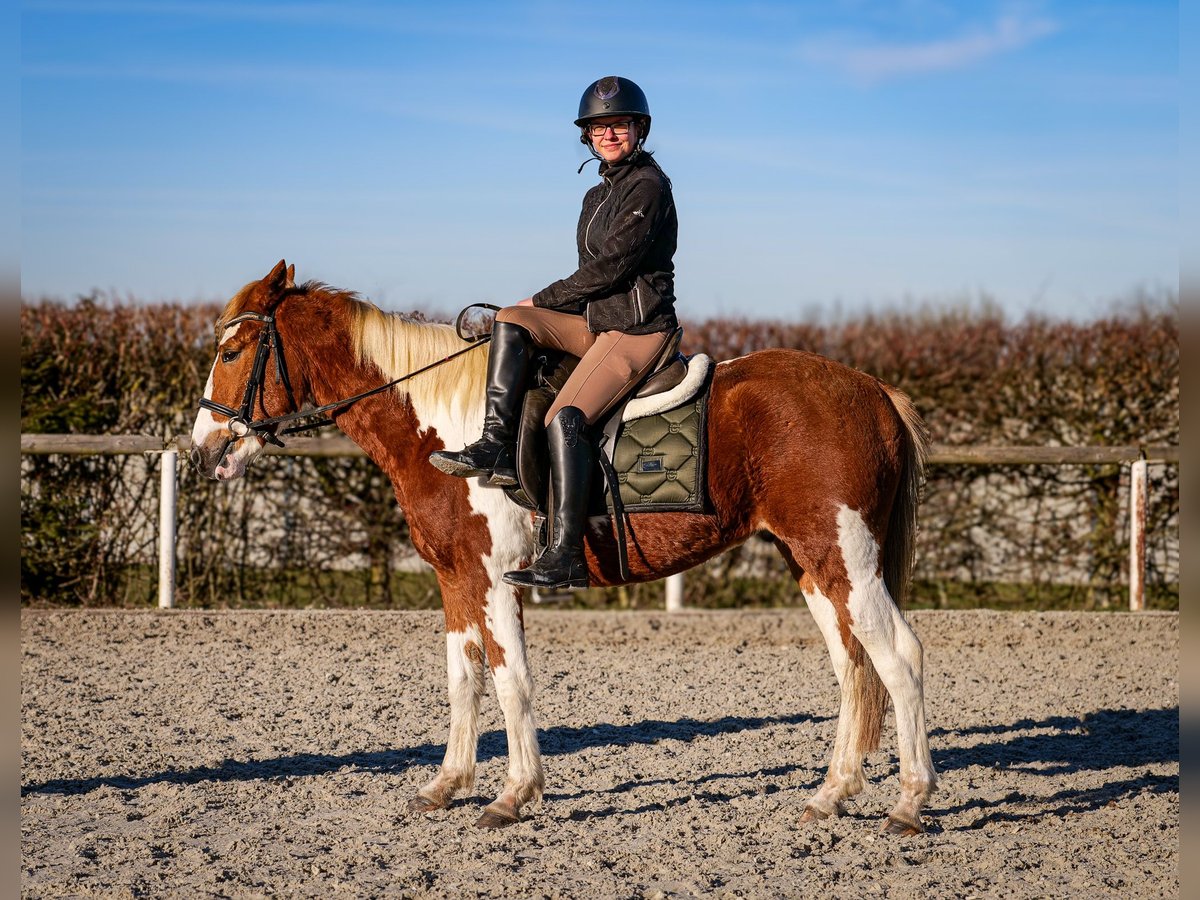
(626, 236)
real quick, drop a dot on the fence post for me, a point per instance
(675, 592)
(1137, 534)
(166, 529)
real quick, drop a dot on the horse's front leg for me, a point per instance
(464, 668)
(514, 690)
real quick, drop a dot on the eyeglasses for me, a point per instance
(620, 129)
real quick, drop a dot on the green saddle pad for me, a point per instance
(660, 459)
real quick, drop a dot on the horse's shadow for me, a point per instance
(558, 740)
(1061, 745)
(687, 792)
(1096, 740)
(1065, 745)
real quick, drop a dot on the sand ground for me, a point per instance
(271, 754)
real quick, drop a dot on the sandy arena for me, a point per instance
(271, 754)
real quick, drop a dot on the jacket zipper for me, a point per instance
(587, 231)
(637, 293)
(587, 309)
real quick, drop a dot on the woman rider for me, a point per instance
(615, 312)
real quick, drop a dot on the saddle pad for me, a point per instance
(699, 367)
(660, 459)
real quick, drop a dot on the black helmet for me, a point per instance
(614, 96)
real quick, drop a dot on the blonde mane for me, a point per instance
(398, 344)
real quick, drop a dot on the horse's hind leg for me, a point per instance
(897, 656)
(858, 718)
(464, 669)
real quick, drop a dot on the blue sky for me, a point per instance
(827, 157)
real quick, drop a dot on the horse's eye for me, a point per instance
(230, 355)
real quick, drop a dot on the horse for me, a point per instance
(822, 459)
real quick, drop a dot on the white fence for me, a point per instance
(1137, 458)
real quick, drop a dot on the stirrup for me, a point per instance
(530, 579)
(503, 477)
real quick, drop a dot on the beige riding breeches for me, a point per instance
(610, 363)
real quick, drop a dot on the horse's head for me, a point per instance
(248, 381)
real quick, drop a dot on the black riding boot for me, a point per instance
(495, 453)
(572, 455)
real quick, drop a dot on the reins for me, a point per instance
(268, 340)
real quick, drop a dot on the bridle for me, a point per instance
(241, 421)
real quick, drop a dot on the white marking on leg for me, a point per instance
(510, 528)
(514, 691)
(512, 541)
(464, 670)
(897, 655)
(464, 680)
(844, 777)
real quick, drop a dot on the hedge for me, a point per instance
(328, 531)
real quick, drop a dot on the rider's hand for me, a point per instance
(528, 301)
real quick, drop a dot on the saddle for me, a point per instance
(653, 443)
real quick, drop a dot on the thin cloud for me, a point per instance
(285, 12)
(400, 18)
(879, 61)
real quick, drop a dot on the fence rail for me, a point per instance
(1138, 457)
(339, 445)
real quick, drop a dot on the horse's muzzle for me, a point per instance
(211, 457)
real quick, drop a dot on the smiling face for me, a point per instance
(610, 146)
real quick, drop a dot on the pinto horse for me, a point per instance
(825, 460)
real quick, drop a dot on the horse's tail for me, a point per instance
(864, 683)
(899, 547)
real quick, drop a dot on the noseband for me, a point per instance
(242, 422)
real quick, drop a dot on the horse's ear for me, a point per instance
(291, 276)
(275, 283)
(277, 277)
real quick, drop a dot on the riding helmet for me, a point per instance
(613, 95)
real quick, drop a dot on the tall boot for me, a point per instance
(572, 455)
(495, 453)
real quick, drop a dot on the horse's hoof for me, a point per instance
(422, 804)
(498, 816)
(815, 814)
(901, 828)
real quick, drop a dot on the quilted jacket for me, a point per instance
(626, 238)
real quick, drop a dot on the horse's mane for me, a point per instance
(397, 344)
